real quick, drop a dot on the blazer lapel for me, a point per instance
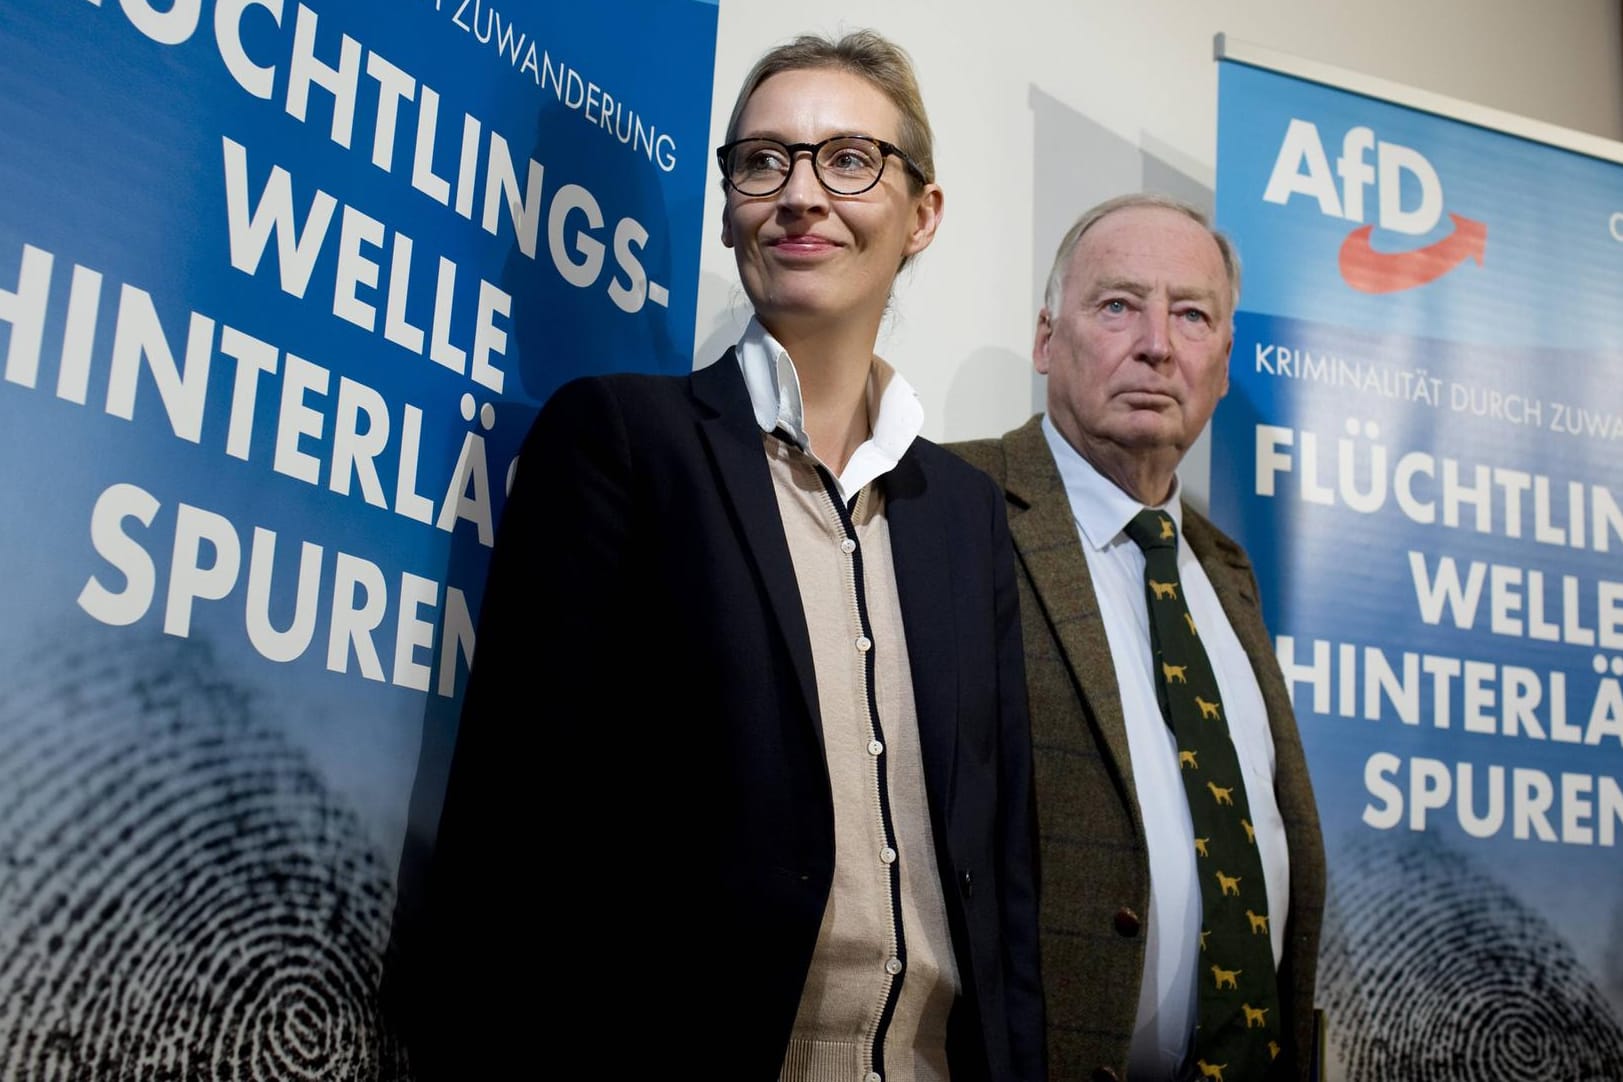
(1046, 540)
(1235, 584)
(922, 554)
(734, 440)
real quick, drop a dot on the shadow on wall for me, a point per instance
(979, 378)
(727, 325)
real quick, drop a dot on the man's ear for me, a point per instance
(1045, 335)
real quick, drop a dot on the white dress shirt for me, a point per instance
(895, 414)
(1166, 1002)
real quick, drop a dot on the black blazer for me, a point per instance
(641, 737)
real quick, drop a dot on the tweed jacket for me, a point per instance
(640, 819)
(1094, 871)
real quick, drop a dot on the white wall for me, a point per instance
(1125, 95)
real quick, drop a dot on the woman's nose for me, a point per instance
(802, 189)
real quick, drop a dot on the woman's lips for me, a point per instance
(803, 244)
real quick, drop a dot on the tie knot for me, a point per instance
(1153, 530)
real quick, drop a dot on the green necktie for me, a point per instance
(1238, 1031)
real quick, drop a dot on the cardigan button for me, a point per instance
(966, 883)
(1126, 922)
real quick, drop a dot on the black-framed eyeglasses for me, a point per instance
(844, 164)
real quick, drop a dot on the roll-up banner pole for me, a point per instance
(282, 285)
(1422, 448)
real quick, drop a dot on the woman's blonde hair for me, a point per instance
(862, 52)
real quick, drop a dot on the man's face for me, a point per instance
(1137, 355)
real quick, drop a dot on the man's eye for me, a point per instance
(1195, 315)
(1115, 306)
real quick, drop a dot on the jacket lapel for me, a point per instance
(921, 552)
(728, 428)
(1046, 540)
(1233, 580)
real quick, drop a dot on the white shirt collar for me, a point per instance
(1102, 510)
(895, 415)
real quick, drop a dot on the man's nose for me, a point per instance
(1155, 333)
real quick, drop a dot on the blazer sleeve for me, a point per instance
(1017, 809)
(510, 833)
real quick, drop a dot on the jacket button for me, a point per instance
(966, 883)
(1105, 1074)
(1127, 924)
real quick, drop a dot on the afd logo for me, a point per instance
(1303, 169)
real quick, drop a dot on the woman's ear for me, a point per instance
(927, 211)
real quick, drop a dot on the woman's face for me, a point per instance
(807, 257)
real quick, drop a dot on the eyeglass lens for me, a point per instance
(848, 165)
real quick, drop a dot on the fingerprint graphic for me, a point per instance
(1433, 972)
(180, 896)
(1614, 953)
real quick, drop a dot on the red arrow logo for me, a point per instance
(1369, 271)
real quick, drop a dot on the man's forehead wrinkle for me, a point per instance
(1140, 288)
(1200, 292)
(1122, 284)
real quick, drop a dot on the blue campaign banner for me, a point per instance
(282, 285)
(1422, 449)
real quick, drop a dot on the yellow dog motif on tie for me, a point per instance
(1257, 1015)
(1200, 847)
(1166, 529)
(1225, 978)
(1211, 1070)
(1164, 591)
(1250, 831)
(1187, 758)
(1174, 674)
(1190, 620)
(1259, 922)
(1208, 710)
(1221, 795)
(1228, 884)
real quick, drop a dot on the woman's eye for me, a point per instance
(851, 160)
(764, 161)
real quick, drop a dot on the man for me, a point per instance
(1134, 338)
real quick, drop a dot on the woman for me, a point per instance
(760, 641)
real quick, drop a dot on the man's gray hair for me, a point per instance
(1054, 292)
